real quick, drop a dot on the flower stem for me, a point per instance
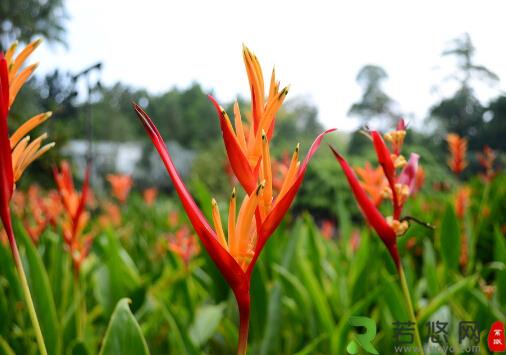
(78, 300)
(243, 332)
(26, 289)
(243, 302)
(412, 317)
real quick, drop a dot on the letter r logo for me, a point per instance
(362, 340)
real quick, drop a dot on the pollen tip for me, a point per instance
(36, 42)
(233, 193)
(51, 145)
(260, 187)
(264, 136)
(213, 202)
(48, 114)
(297, 148)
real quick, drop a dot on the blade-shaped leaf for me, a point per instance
(450, 239)
(41, 293)
(123, 335)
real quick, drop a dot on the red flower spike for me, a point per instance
(238, 160)
(236, 276)
(260, 212)
(408, 174)
(371, 213)
(83, 199)
(401, 125)
(225, 262)
(385, 160)
(274, 218)
(6, 174)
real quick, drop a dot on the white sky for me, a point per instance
(317, 46)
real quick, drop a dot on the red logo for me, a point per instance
(496, 340)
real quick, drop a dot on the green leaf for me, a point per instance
(179, 338)
(117, 277)
(273, 320)
(443, 297)
(450, 238)
(5, 349)
(295, 289)
(41, 293)
(123, 335)
(311, 347)
(314, 288)
(393, 297)
(429, 268)
(500, 255)
(206, 321)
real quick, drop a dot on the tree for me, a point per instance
(463, 113)
(375, 103)
(496, 126)
(463, 50)
(24, 20)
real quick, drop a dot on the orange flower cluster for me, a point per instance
(458, 149)
(111, 215)
(121, 185)
(149, 195)
(461, 202)
(374, 182)
(37, 212)
(328, 229)
(184, 244)
(76, 216)
(487, 160)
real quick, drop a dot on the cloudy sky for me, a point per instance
(317, 47)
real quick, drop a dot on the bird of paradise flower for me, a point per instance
(17, 153)
(400, 187)
(260, 212)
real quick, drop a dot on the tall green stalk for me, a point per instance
(412, 317)
(26, 289)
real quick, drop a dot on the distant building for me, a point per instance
(140, 160)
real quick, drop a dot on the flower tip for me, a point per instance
(48, 114)
(260, 187)
(264, 136)
(336, 154)
(401, 125)
(284, 92)
(213, 202)
(233, 193)
(245, 49)
(297, 148)
(37, 42)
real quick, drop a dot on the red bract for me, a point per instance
(260, 213)
(6, 176)
(401, 186)
(121, 185)
(184, 244)
(458, 149)
(76, 215)
(16, 153)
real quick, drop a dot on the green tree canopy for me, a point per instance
(26, 19)
(375, 103)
